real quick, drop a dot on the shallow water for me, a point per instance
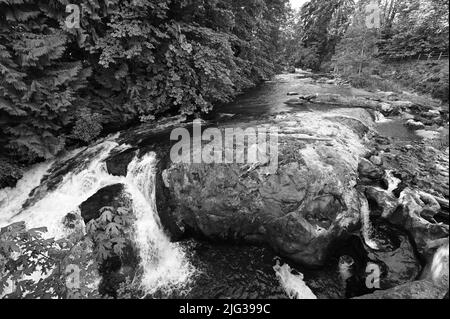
(397, 130)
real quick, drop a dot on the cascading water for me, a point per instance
(380, 118)
(165, 265)
(367, 229)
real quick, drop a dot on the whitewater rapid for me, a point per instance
(164, 264)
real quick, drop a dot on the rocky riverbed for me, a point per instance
(358, 204)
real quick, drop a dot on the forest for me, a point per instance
(355, 92)
(333, 36)
(129, 62)
(138, 61)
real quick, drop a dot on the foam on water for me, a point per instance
(72, 191)
(393, 182)
(11, 199)
(293, 285)
(380, 118)
(165, 265)
(367, 229)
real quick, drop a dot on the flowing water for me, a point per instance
(165, 265)
(51, 190)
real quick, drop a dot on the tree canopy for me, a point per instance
(131, 60)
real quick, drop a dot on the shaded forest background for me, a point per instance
(138, 61)
(409, 49)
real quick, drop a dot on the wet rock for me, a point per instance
(308, 97)
(376, 160)
(400, 106)
(428, 135)
(348, 101)
(117, 164)
(309, 202)
(415, 125)
(387, 108)
(411, 218)
(419, 166)
(291, 69)
(423, 289)
(368, 170)
(295, 102)
(408, 116)
(385, 202)
(432, 114)
(109, 196)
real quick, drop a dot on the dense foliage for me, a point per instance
(336, 30)
(33, 266)
(130, 60)
(409, 30)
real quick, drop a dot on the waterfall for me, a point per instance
(76, 186)
(380, 118)
(393, 182)
(165, 264)
(367, 229)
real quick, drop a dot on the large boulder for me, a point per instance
(383, 202)
(109, 196)
(415, 218)
(299, 210)
(117, 164)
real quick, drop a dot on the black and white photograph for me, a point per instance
(224, 157)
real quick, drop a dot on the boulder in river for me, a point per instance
(117, 164)
(413, 218)
(370, 171)
(383, 202)
(295, 102)
(415, 125)
(109, 196)
(299, 210)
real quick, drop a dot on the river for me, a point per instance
(187, 268)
